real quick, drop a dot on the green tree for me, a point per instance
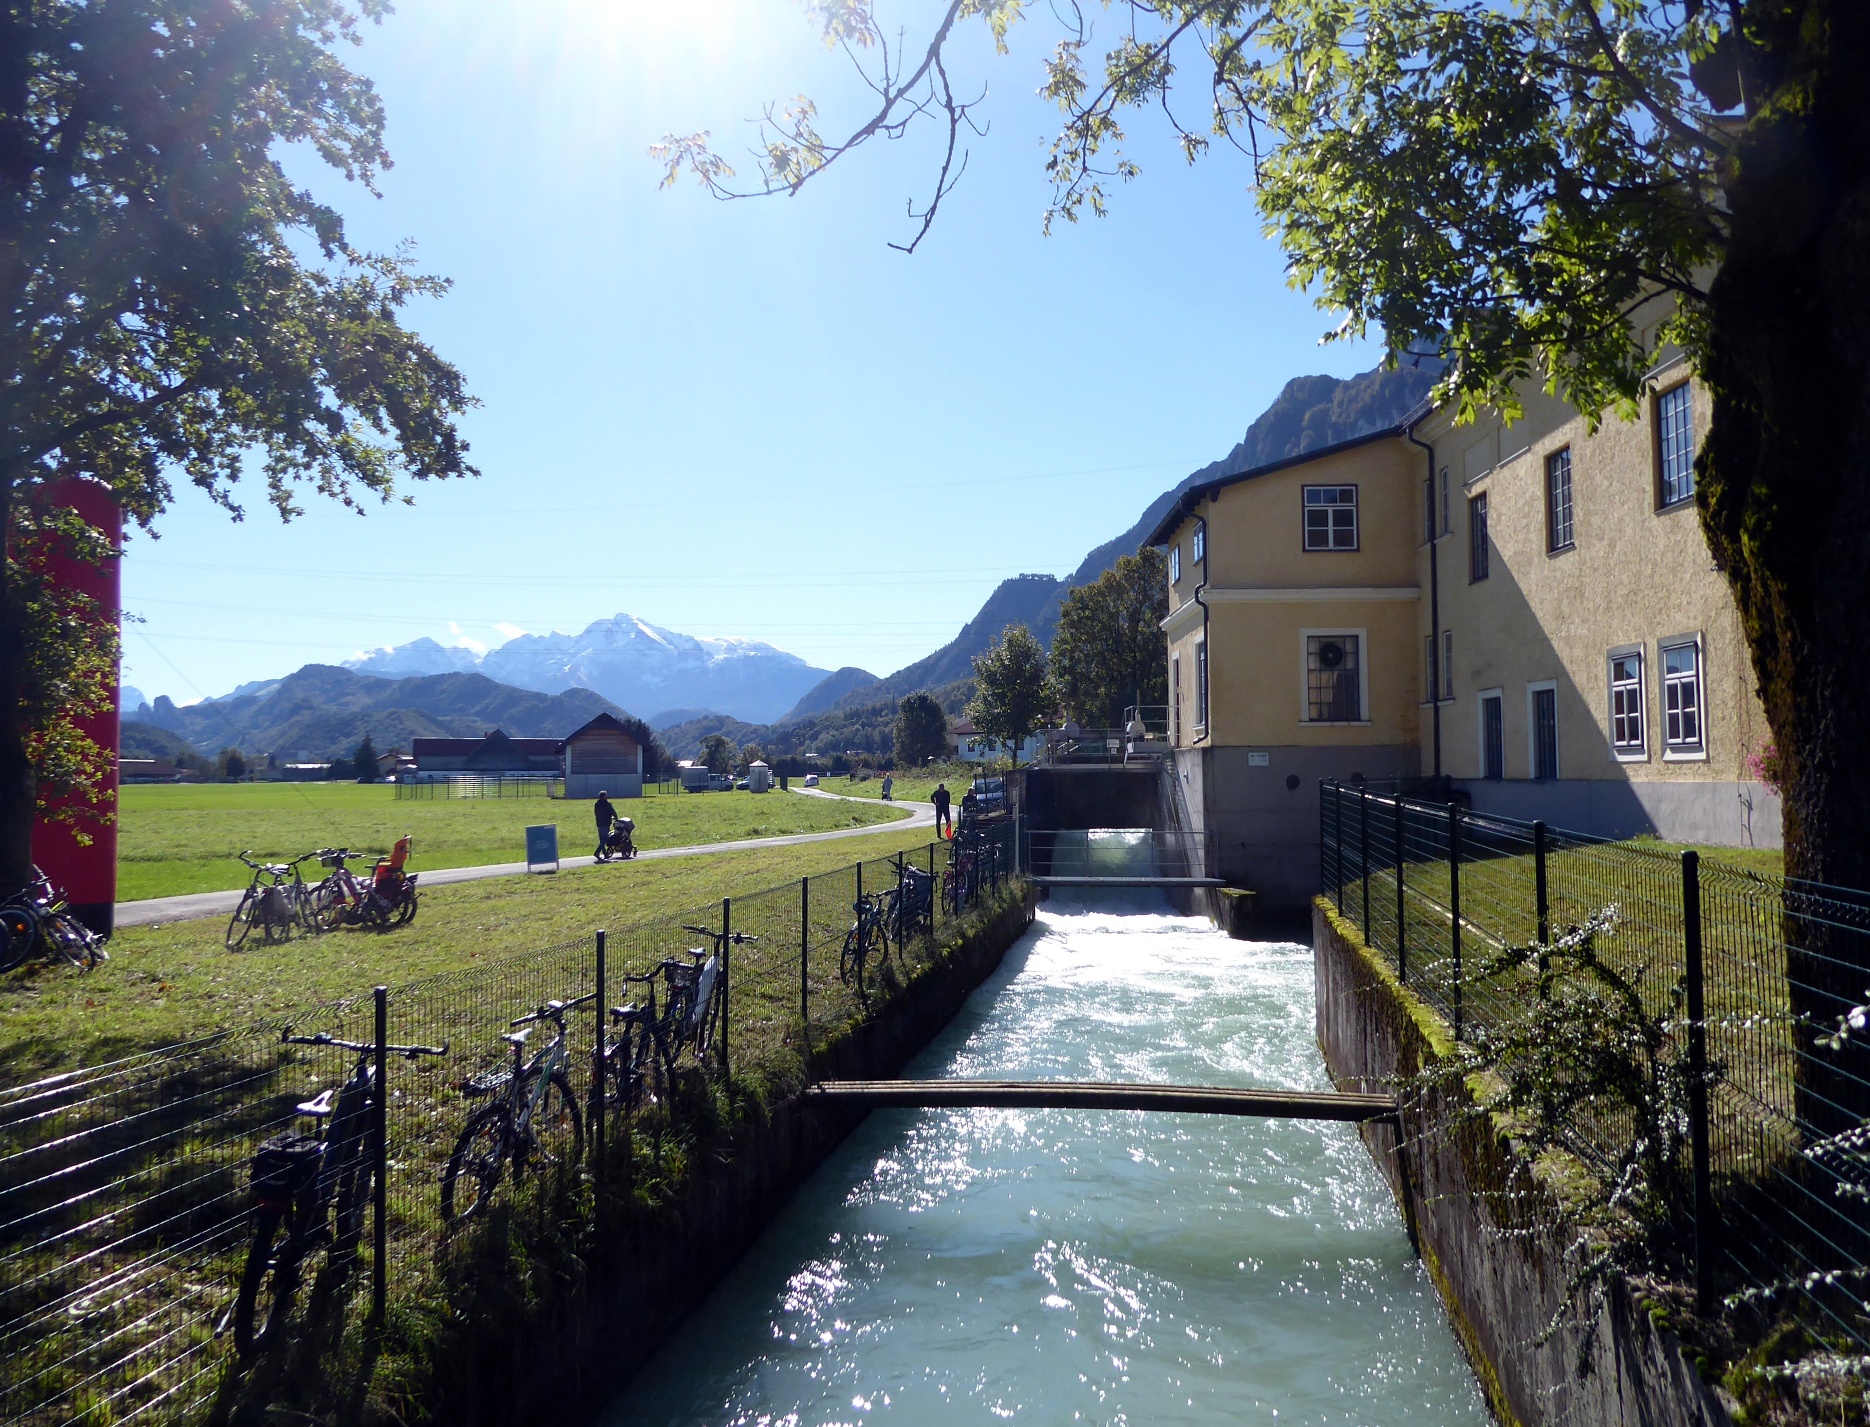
(717, 753)
(173, 306)
(1012, 696)
(921, 731)
(364, 760)
(1109, 650)
(233, 764)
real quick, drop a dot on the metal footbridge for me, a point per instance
(1345, 1106)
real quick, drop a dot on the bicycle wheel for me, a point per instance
(473, 1171)
(405, 909)
(72, 939)
(851, 959)
(274, 914)
(557, 1126)
(240, 925)
(266, 1287)
(355, 1181)
(636, 1072)
(21, 930)
(328, 906)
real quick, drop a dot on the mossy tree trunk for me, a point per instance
(1784, 477)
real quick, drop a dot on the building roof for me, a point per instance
(1190, 498)
(603, 723)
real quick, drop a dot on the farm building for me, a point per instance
(603, 757)
(496, 753)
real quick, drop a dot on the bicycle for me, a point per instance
(640, 1063)
(531, 1110)
(298, 1180)
(275, 906)
(39, 918)
(387, 899)
(868, 934)
(915, 901)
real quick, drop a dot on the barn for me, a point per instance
(603, 757)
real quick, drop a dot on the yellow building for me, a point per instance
(1529, 611)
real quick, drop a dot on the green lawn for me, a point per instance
(908, 787)
(168, 983)
(185, 838)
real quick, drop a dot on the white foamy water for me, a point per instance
(1086, 1266)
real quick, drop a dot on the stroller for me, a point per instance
(619, 842)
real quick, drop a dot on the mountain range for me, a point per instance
(629, 661)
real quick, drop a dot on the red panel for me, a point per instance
(88, 874)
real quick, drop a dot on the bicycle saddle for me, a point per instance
(626, 1013)
(321, 1106)
(517, 1037)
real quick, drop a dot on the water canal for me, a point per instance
(1100, 1267)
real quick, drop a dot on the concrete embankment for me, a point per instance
(1492, 1227)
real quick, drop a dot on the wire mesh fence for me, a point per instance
(482, 785)
(1751, 975)
(128, 1201)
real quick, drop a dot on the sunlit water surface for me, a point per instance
(1060, 1266)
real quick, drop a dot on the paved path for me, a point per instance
(194, 905)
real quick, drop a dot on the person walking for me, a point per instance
(889, 782)
(941, 799)
(605, 814)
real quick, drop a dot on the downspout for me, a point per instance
(1207, 654)
(1432, 512)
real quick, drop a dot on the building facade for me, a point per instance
(603, 757)
(1528, 610)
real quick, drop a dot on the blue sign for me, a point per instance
(542, 847)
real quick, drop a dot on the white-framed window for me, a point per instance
(1447, 664)
(1492, 703)
(1438, 667)
(1542, 729)
(1675, 446)
(1330, 517)
(1428, 511)
(1431, 669)
(1684, 697)
(1201, 540)
(1175, 563)
(1447, 501)
(1629, 719)
(1175, 696)
(1336, 686)
(1477, 547)
(1201, 683)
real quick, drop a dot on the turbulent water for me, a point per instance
(1064, 1266)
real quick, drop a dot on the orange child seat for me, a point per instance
(390, 868)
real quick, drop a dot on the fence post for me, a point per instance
(1698, 1080)
(1402, 936)
(596, 1117)
(1454, 901)
(1544, 907)
(380, 1132)
(900, 859)
(727, 961)
(805, 979)
(1363, 853)
(1337, 846)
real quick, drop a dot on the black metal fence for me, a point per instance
(1764, 968)
(125, 1212)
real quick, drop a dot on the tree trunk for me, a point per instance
(1784, 480)
(17, 787)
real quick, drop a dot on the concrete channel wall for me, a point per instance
(1490, 1227)
(565, 1366)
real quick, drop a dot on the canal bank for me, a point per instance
(1495, 1232)
(1051, 1266)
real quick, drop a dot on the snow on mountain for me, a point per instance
(419, 656)
(631, 662)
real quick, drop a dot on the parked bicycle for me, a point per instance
(868, 939)
(38, 920)
(651, 1035)
(387, 898)
(914, 910)
(309, 1192)
(531, 1120)
(276, 902)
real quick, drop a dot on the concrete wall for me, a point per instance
(1489, 1226)
(1725, 814)
(1264, 831)
(618, 785)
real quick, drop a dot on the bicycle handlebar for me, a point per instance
(408, 1052)
(554, 1010)
(735, 937)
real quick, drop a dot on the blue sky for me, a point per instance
(753, 418)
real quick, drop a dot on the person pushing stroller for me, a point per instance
(616, 835)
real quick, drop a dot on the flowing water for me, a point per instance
(1086, 1266)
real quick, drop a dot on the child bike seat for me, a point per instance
(321, 1106)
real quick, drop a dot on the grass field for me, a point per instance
(186, 838)
(167, 983)
(909, 787)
